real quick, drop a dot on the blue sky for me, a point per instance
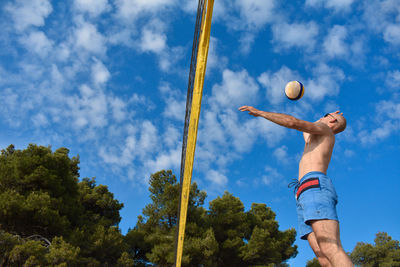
(108, 79)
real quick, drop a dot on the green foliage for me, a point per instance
(313, 263)
(228, 219)
(30, 253)
(7, 243)
(225, 235)
(62, 253)
(152, 239)
(385, 252)
(249, 238)
(99, 204)
(125, 260)
(27, 252)
(37, 190)
(49, 218)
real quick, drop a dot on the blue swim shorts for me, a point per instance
(316, 199)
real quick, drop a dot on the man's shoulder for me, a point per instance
(326, 129)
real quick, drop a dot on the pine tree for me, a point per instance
(50, 218)
(385, 252)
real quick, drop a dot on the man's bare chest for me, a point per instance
(312, 142)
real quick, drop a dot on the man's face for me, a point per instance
(337, 120)
(330, 115)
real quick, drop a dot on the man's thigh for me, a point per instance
(326, 231)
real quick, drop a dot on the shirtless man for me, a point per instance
(316, 197)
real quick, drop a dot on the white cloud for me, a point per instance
(89, 38)
(38, 43)
(281, 154)
(325, 83)
(338, 5)
(10, 99)
(40, 120)
(388, 122)
(236, 89)
(377, 134)
(392, 34)
(334, 43)
(119, 109)
(153, 41)
(175, 102)
(301, 35)
(272, 133)
(272, 176)
(212, 125)
(148, 140)
(190, 6)
(172, 136)
(382, 17)
(349, 153)
(240, 135)
(167, 160)
(358, 49)
(274, 83)
(132, 9)
(62, 52)
(88, 109)
(166, 90)
(121, 156)
(390, 109)
(339, 43)
(216, 178)
(246, 41)
(29, 13)
(93, 7)
(256, 13)
(223, 137)
(225, 133)
(222, 10)
(100, 74)
(169, 58)
(379, 14)
(214, 60)
(244, 15)
(56, 77)
(349, 135)
(393, 79)
(175, 109)
(31, 71)
(137, 147)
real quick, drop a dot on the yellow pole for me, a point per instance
(202, 54)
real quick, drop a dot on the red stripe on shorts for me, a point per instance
(311, 183)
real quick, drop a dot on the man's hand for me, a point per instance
(252, 111)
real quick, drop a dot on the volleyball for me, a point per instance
(294, 90)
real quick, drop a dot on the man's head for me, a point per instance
(335, 121)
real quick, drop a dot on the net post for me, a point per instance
(192, 118)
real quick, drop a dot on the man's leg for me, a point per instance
(328, 239)
(323, 260)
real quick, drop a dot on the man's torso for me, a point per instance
(317, 153)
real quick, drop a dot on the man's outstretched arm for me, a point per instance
(288, 121)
